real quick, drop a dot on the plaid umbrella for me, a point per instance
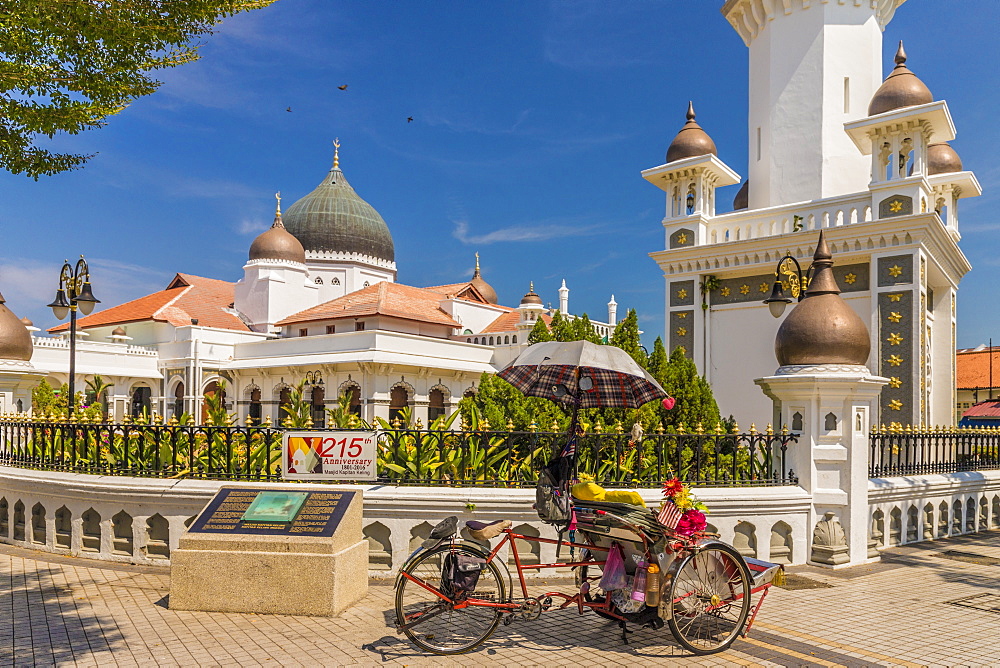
(553, 370)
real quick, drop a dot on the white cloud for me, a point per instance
(515, 233)
(248, 227)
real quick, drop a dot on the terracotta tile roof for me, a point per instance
(393, 300)
(187, 297)
(984, 409)
(972, 368)
(461, 290)
(508, 322)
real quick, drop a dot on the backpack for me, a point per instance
(460, 573)
(552, 500)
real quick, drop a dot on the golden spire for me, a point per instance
(477, 265)
(336, 153)
(277, 211)
(531, 286)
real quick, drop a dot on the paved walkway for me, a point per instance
(928, 604)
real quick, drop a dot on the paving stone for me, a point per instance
(59, 611)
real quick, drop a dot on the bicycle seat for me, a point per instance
(486, 530)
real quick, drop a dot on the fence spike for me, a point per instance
(484, 425)
(680, 427)
(510, 425)
(736, 427)
(718, 429)
(598, 428)
(784, 429)
(619, 429)
(554, 427)
(769, 430)
(699, 429)
(659, 428)
(533, 427)
(753, 429)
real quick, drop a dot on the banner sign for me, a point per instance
(328, 455)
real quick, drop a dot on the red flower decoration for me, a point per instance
(692, 521)
(669, 402)
(672, 487)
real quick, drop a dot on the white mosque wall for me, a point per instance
(472, 315)
(370, 346)
(271, 290)
(51, 356)
(139, 520)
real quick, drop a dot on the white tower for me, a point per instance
(813, 67)
(564, 298)
(612, 312)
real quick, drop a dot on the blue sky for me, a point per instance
(532, 121)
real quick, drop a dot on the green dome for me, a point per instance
(334, 219)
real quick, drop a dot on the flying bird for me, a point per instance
(344, 87)
(288, 109)
(410, 119)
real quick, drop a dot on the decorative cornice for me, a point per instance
(807, 369)
(750, 17)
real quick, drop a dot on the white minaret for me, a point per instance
(612, 311)
(564, 298)
(813, 67)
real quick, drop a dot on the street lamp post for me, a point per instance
(798, 283)
(74, 293)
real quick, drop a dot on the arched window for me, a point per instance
(476, 340)
(255, 407)
(141, 401)
(367, 284)
(335, 281)
(506, 339)
(491, 340)
(469, 393)
(319, 280)
(468, 340)
(20, 406)
(317, 408)
(210, 392)
(435, 405)
(179, 400)
(356, 400)
(284, 400)
(398, 399)
(514, 339)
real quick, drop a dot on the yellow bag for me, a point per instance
(588, 491)
(624, 496)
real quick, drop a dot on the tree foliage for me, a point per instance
(501, 404)
(66, 65)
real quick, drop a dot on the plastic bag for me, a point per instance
(614, 576)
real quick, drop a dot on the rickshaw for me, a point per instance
(634, 567)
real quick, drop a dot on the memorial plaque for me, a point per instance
(275, 507)
(234, 510)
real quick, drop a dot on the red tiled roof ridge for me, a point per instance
(209, 300)
(378, 300)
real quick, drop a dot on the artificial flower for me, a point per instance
(692, 521)
(672, 487)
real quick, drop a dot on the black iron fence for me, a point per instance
(405, 456)
(897, 451)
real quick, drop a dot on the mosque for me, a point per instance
(831, 146)
(318, 302)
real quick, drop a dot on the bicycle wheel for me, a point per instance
(430, 619)
(710, 599)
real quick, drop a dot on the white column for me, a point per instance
(831, 464)
(564, 298)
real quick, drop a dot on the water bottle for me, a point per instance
(639, 584)
(653, 585)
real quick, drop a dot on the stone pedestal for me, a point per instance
(285, 575)
(830, 407)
